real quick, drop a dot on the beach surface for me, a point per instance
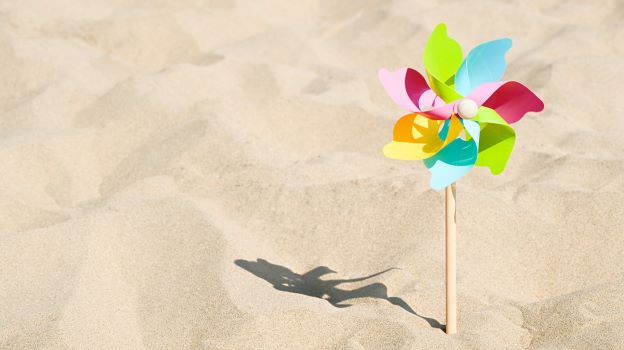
(181, 174)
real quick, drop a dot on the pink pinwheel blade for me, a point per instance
(429, 100)
(405, 86)
(510, 99)
(442, 112)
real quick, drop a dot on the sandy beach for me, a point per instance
(185, 174)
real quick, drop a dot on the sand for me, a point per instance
(181, 174)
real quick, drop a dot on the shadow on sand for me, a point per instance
(309, 283)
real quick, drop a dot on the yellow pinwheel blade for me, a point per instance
(417, 137)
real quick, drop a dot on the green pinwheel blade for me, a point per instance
(446, 93)
(442, 57)
(496, 140)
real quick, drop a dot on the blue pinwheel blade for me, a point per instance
(484, 64)
(455, 160)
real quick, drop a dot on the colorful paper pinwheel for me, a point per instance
(461, 118)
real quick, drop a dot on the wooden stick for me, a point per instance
(451, 253)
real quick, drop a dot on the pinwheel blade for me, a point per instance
(404, 86)
(496, 140)
(484, 64)
(442, 58)
(454, 160)
(415, 137)
(510, 99)
(446, 92)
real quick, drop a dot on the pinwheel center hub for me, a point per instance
(467, 108)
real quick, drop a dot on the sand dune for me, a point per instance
(209, 174)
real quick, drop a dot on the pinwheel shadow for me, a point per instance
(310, 284)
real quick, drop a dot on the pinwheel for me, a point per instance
(458, 120)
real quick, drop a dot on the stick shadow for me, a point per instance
(310, 284)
